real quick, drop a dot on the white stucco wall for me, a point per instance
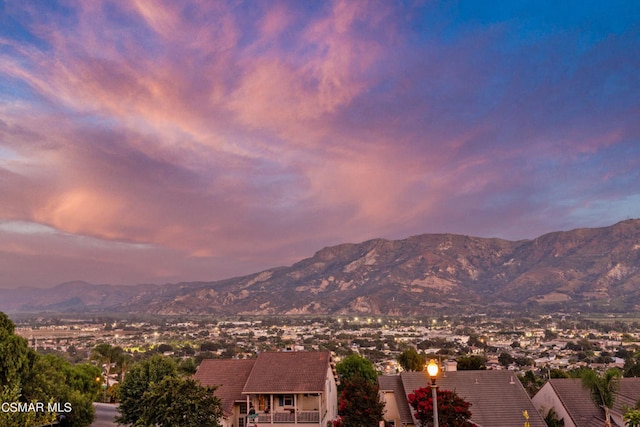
(546, 399)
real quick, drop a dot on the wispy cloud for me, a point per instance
(197, 140)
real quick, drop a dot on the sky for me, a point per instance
(168, 141)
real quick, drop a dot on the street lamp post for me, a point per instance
(432, 369)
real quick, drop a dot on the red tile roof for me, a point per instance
(271, 372)
(228, 375)
(288, 372)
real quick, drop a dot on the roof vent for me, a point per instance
(511, 381)
(476, 381)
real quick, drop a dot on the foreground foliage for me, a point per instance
(153, 394)
(602, 388)
(632, 418)
(359, 404)
(177, 401)
(137, 382)
(27, 377)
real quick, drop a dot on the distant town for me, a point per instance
(519, 344)
(512, 360)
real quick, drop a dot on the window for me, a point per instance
(243, 408)
(286, 400)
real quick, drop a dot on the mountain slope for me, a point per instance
(595, 268)
(69, 296)
(578, 268)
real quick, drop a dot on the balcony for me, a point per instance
(289, 417)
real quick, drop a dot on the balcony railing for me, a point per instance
(304, 417)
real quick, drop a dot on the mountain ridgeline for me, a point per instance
(595, 269)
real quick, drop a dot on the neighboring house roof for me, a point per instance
(289, 372)
(228, 375)
(628, 394)
(497, 397)
(393, 383)
(577, 401)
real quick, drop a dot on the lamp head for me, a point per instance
(432, 368)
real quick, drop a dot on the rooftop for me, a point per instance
(497, 398)
(229, 376)
(288, 372)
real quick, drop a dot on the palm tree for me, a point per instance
(106, 354)
(552, 419)
(602, 388)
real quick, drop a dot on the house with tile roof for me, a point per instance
(396, 411)
(573, 404)
(229, 377)
(497, 398)
(284, 389)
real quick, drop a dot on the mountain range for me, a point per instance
(583, 269)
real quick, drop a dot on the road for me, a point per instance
(105, 413)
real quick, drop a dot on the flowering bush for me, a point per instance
(359, 403)
(453, 411)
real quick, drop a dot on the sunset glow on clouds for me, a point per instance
(173, 141)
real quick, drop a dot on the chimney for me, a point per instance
(450, 366)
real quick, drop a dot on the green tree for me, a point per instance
(411, 360)
(550, 335)
(355, 364)
(138, 380)
(163, 348)
(209, 346)
(55, 379)
(187, 366)
(16, 358)
(178, 401)
(631, 418)
(471, 363)
(359, 404)
(632, 366)
(602, 388)
(506, 359)
(558, 373)
(523, 361)
(453, 411)
(28, 377)
(107, 355)
(531, 382)
(21, 419)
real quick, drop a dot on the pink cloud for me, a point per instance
(290, 96)
(158, 16)
(203, 134)
(277, 18)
